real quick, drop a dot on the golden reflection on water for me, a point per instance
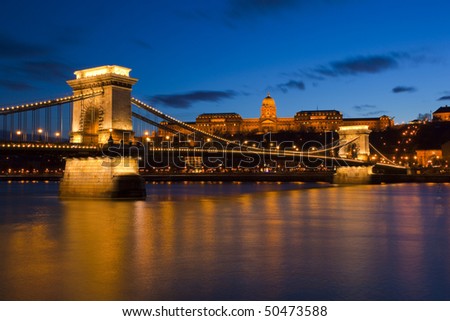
(24, 244)
(352, 242)
(94, 246)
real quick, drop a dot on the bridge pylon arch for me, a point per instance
(109, 113)
(358, 135)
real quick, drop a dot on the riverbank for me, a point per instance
(326, 177)
(244, 177)
(403, 178)
(34, 177)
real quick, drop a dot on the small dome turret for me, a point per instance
(268, 107)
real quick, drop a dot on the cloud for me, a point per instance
(293, 84)
(444, 98)
(69, 36)
(33, 62)
(187, 99)
(48, 70)
(357, 65)
(244, 8)
(241, 8)
(403, 89)
(142, 44)
(40, 70)
(362, 64)
(367, 110)
(15, 85)
(375, 113)
(364, 107)
(13, 48)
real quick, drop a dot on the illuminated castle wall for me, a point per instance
(306, 120)
(233, 123)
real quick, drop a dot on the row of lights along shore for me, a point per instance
(47, 145)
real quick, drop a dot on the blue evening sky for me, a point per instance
(365, 58)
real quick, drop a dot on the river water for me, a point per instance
(213, 241)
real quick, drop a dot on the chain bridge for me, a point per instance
(101, 120)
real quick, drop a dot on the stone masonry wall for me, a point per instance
(96, 177)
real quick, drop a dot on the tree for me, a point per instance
(424, 117)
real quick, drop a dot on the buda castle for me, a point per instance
(305, 120)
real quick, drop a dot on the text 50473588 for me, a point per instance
(295, 310)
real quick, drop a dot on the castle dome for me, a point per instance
(268, 101)
(268, 108)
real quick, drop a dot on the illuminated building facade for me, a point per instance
(375, 123)
(427, 157)
(442, 114)
(318, 120)
(220, 123)
(233, 123)
(268, 121)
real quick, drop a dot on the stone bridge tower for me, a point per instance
(107, 114)
(359, 148)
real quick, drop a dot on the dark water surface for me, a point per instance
(227, 241)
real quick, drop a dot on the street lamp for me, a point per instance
(19, 133)
(40, 134)
(58, 135)
(110, 139)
